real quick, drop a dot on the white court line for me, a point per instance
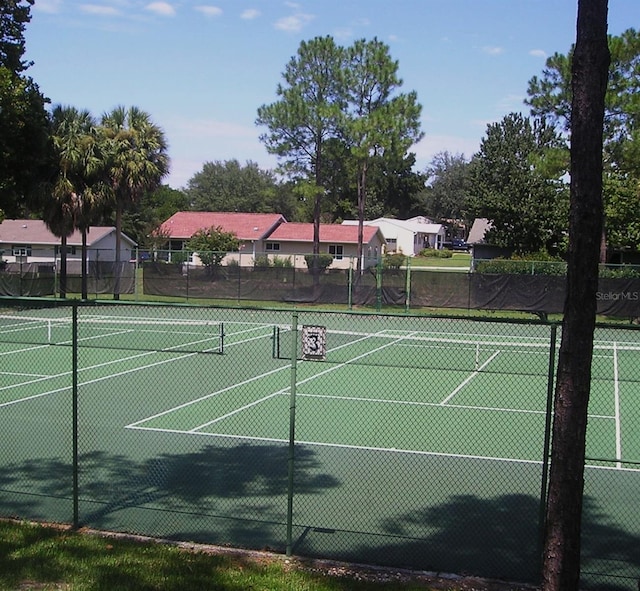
(413, 452)
(23, 374)
(616, 397)
(136, 425)
(310, 378)
(112, 375)
(523, 411)
(25, 349)
(205, 397)
(469, 378)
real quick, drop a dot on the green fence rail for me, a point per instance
(396, 440)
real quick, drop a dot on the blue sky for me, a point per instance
(202, 68)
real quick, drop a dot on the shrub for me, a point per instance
(318, 261)
(621, 272)
(394, 261)
(521, 266)
(282, 262)
(262, 261)
(428, 253)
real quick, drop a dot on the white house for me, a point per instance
(407, 236)
(30, 241)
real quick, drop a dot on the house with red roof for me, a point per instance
(269, 234)
(294, 240)
(251, 229)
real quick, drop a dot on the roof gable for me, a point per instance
(417, 225)
(246, 226)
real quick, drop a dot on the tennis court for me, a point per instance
(408, 431)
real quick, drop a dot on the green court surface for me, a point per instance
(408, 433)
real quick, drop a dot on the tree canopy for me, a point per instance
(550, 96)
(517, 188)
(24, 133)
(14, 16)
(212, 245)
(230, 186)
(338, 114)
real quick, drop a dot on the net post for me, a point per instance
(222, 338)
(275, 342)
(292, 431)
(407, 286)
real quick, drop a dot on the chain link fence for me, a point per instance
(528, 286)
(397, 440)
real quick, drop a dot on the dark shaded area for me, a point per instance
(39, 280)
(416, 288)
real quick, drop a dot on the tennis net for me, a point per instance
(429, 351)
(116, 332)
(500, 354)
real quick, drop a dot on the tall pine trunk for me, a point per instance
(561, 560)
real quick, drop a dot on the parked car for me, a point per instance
(457, 244)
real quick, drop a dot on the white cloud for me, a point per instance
(49, 6)
(493, 50)
(430, 145)
(250, 13)
(211, 11)
(538, 53)
(511, 103)
(343, 33)
(161, 8)
(294, 23)
(99, 10)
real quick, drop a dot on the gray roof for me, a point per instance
(35, 232)
(478, 230)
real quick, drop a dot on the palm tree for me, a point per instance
(137, 161)
(76, 188)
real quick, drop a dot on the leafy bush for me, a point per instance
(318, 261)
(212, 245)
(262, 261)
(179, 257)
(621, 272)
(435, 253)
(282, 262)
(394, 260)
(539, 263)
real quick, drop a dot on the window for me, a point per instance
(70, 250)
(272, 246)
(336, 250)
(21, 251)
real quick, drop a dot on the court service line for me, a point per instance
(206, 397)
(616, 397)
(88, 382)
(395, 450)
(34, 348)
(237, 410)
(283, 390)
(469, 378)
(67, 373)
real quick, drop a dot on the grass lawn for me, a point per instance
(42, 557)
(460, 260)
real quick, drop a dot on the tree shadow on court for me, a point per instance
(499, 538)
(241, 488)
